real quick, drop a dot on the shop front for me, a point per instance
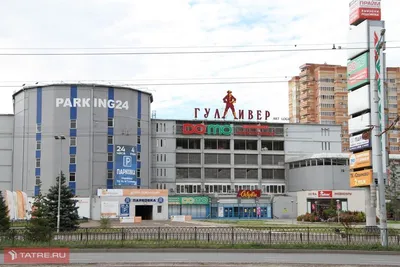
(196, 206)
(148, 204)
(320, 200)
(247, 204)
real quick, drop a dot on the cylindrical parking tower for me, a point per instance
(97, 135)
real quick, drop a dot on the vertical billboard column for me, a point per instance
(125, 165)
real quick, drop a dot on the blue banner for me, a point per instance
(125, 165)
(124, 210)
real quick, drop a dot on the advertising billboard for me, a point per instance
(361, 178)
(358, 100)
(125, 165)
(360, 123)
(357, 142)
(357, 40)
(361, 160)
(357, 71)
(361, 10)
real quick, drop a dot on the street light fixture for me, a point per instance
(61, 138)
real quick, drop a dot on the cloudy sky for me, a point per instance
(178, 26)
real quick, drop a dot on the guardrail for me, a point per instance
(205, 237)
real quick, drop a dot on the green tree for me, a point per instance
(4, 218)
(393, 192)
(69, 218)
(39, 229)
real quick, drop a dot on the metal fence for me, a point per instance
(207, 237)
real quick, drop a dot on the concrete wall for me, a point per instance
(35, 106)
(285, 207)
(332, 177)
(305, 140)
(6, 152)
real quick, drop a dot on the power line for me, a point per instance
(133, 84)
(187, 52)
(181, 47)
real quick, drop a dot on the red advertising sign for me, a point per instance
(325, 193)
(229, 101)
(361, 10)
(36, 255)
(249, 193)
(258, 130)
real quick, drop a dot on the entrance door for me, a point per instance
(228, 212)
(146, 212)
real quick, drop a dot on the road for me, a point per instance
(235, 258)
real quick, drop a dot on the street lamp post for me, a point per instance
(61, 138)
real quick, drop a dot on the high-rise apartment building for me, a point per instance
(319, 95)
(393, 90)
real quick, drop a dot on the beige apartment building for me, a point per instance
(319, 95)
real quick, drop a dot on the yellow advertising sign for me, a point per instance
(361, 178)
(361, 160)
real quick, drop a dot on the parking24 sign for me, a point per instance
(125, 165)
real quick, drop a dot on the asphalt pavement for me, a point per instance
(231, 258)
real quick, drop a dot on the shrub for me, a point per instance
(105, 222)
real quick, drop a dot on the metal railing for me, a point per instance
(211, 237)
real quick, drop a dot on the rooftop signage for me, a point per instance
(226, 129)
(95, 102)
(229, 100)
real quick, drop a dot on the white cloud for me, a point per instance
(179, 23)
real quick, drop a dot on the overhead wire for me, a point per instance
(188, 46)
(133, 84)
(189, 52)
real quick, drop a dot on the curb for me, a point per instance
(180, 250)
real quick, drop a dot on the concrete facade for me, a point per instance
(6, 151)
(91, 131)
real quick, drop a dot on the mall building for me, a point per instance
(110, 148)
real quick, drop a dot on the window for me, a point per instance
(217, 144)
(185, 173)
(138, 173)
(138, 123)
(187, 143)
(72, 177)
(72, 141)
(110, 174)
(223, 173)
(138, 156)
(138, 139)
(38, 145)
(326, 145)
(110, 122)
(245, 144)
(72, 159)
(73, 124)
(38, 163)
(110, 157)
(156, 127)
(159, 209)
(110, 139)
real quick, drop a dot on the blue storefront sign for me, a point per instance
(125, 165)
(124, 210)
